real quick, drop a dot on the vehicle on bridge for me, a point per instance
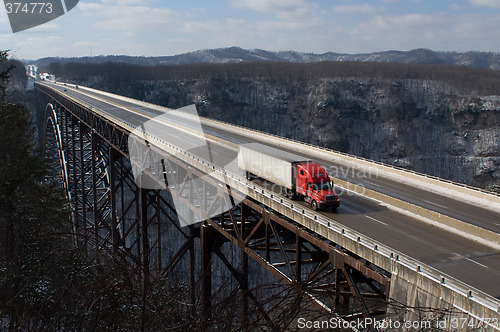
(298, 176)
(47, 77)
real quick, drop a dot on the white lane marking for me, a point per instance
(473, 261)
(374, 184)
(497, 224)
(441, 206)
(470, 260)
(380, 222)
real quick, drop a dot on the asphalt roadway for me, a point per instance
(461, 258)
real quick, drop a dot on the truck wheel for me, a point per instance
(314, 205)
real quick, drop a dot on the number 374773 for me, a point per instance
(28, 7)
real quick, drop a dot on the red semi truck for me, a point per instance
(298, 176)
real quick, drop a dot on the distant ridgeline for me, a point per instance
(485, 60)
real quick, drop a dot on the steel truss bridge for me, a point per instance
(381, 251)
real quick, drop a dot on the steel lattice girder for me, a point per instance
(126, 219)
(285, 249)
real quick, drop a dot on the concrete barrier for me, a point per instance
(461, 228)
(425, 182)
(428, 183)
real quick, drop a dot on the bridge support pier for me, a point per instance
(207, 247)
(243, 271)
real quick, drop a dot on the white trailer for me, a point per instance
(269, 163)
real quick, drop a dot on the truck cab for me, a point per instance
(315, 185)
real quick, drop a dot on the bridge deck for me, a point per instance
(471, 262)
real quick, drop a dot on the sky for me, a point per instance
(159, 27)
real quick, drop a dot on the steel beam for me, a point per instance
(115, 216)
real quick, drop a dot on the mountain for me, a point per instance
(486, 60)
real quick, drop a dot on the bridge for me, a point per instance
(403, 246)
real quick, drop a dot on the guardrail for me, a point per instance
(355, 238)
(262, 133)
(296, 142)
(480, 197)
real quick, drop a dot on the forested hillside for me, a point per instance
(486, 60)
(47, 281)
(437, 119)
